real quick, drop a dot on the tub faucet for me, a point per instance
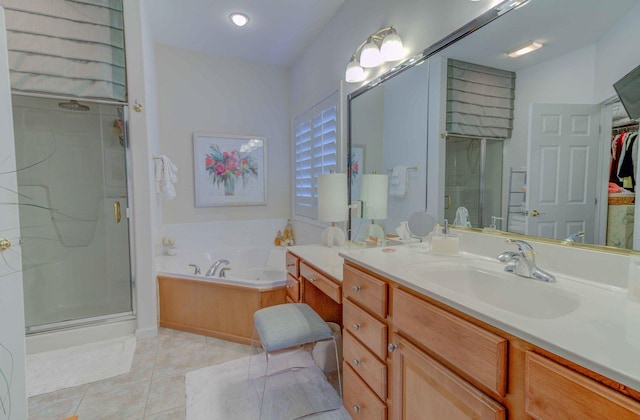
(524, 262)
(214, 267)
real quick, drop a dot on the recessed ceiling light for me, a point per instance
(239, 19)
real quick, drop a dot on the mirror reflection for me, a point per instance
(540, 165)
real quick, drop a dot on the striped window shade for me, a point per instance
(479, 100)
(315, 138)
(68, 47)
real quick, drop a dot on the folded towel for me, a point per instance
(398, 182)
(166, 177)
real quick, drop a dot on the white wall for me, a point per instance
(143, 144)
(199, 92)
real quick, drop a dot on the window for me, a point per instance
(315, 137)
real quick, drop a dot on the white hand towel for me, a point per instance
(398, 183)
(157, 167)
(168, 177)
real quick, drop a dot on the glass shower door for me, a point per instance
(72, 186)
(473, 179)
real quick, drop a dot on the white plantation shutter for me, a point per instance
(315, 136)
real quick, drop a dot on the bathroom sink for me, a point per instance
(488, 283)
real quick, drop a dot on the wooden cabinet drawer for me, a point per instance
(480, 354)
(367, 290)
(322, 282)
(293, 288)
(293, 265)
(554, 391)
(359, 400)
(371, 369)
(368, 330)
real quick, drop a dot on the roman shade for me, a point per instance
(479, 100)
(69, 47)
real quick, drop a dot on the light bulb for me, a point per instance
(392, 48)
(370, 55)
(239, 19)
(354, 73)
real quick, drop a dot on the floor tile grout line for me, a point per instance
(153, 370)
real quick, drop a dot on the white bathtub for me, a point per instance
(252, 267)
(220, 307)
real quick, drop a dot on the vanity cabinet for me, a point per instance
(424, 388)
(554, 391)
(409, 356)
(311, 285)
(364, 344)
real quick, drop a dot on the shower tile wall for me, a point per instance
(71, 170)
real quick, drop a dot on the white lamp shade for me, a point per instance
(392, 48)
(374, 193)
(354, 73)
(332, 197)
(370, 55)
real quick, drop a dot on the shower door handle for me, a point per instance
(447, 199)
(117, 215)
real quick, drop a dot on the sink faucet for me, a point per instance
(524, 262)
(214, 267)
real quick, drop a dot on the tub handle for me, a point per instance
(196, 268)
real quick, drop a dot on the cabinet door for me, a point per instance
(422, 388)
(553, 391)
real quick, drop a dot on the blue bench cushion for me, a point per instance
(289, 325)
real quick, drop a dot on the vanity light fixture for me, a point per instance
(381, 46)
(526, 48)
(239, 19)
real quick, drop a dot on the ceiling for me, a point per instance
(561, 25)
(278, 32)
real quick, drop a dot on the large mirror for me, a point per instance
(547, 172)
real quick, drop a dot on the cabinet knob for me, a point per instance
(355, 362)
(356, 326)
(356, 288)
(391, 347)
(288, 286)
(356, 408)
(311, 279)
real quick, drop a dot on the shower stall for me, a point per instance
(73, 200)
(473, 179)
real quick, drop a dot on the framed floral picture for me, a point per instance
(356, 169)
(229, 170)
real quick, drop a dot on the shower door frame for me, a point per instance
(116, 317)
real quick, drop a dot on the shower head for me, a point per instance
(73, 105)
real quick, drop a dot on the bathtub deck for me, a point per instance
(214, 309)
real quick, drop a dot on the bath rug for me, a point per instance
(53, 370)
(224, 391)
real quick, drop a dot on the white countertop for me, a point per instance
(602, 334)
(322, 257)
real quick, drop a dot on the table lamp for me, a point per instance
(374, 193)
(332, 206)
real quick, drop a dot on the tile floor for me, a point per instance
(154, 388)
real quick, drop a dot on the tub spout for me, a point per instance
(214, 267)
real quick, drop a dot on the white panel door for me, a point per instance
(562, 170)
(13, 400)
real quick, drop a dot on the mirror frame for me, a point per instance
(462, 32)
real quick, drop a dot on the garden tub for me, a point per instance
(220, 307)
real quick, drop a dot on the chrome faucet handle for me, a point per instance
(223, 272)
(524, 247)
(196, 268)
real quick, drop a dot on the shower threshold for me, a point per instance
(79, 323)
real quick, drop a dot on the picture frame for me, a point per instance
(356, 165)
(229, 170)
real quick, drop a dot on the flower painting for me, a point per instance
(356, 169)
(229, 170)
(227, 167)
